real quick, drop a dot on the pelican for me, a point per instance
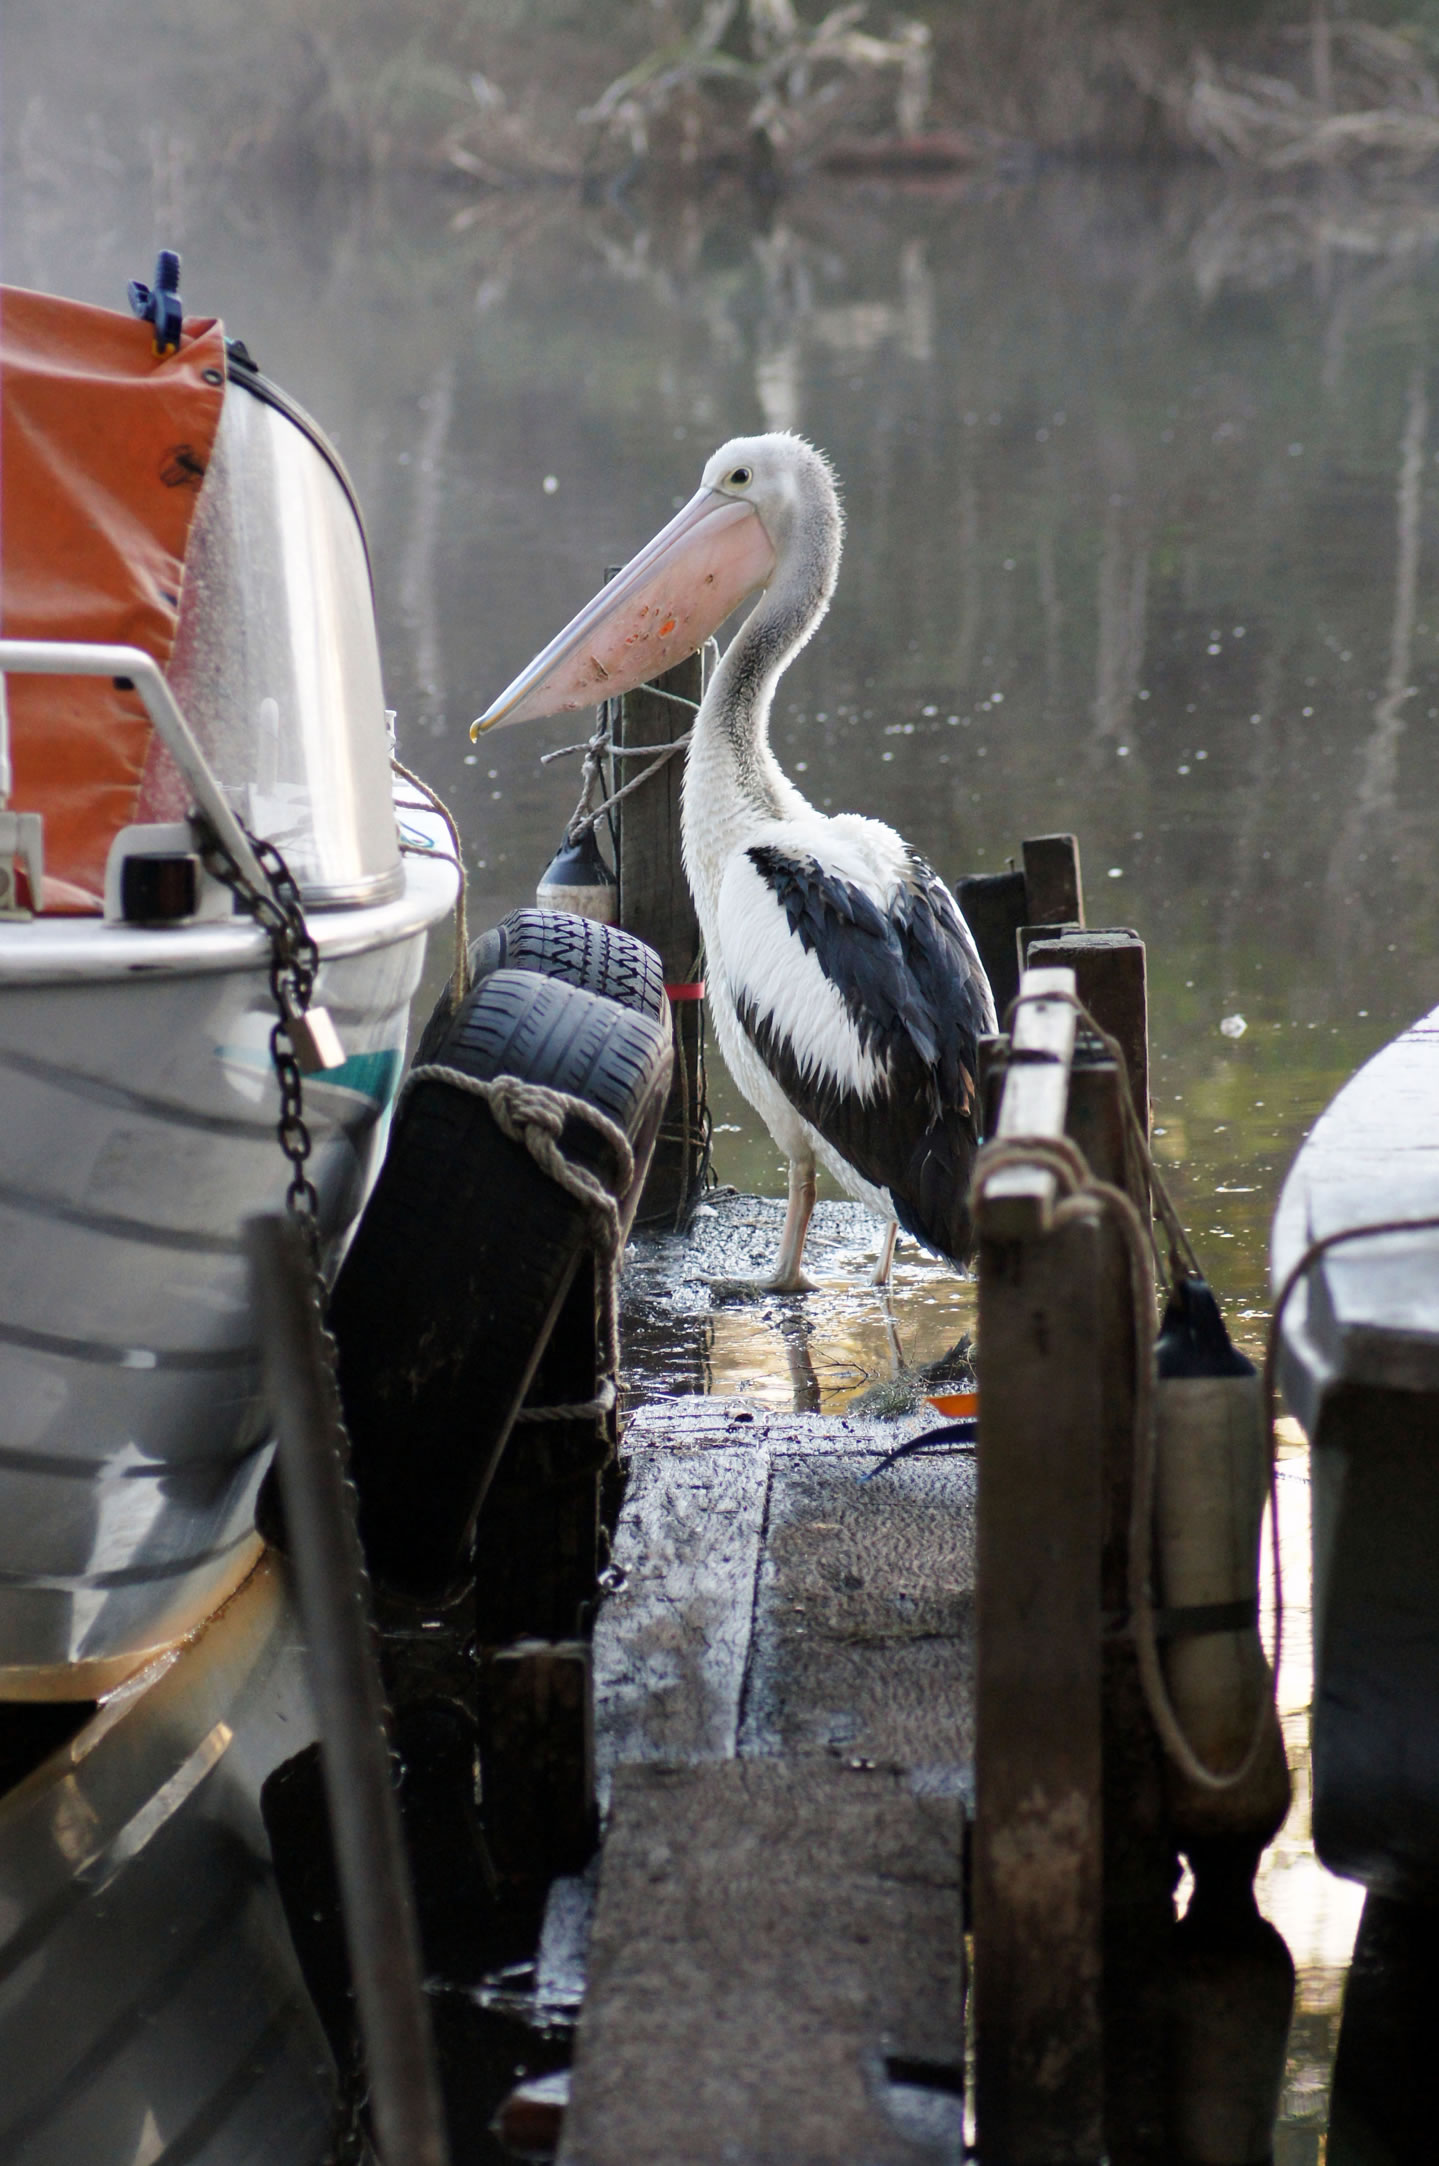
(846, 990)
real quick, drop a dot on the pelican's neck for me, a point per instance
(732, 779)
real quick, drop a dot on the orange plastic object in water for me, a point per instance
(103, 448)
(954, 1403)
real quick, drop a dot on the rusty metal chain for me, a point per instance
(294, 964)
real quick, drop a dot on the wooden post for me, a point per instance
(655, 903)
(537, 1542)
(997, 905)
(1054, 892)
(1138, 1852)
(537, 1757)
(1038, 1828)
(1109, 972)
(994, 906)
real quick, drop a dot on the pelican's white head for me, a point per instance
(766, 507)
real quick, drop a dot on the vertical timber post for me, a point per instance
(655, 903)
(1054, 891)
(1138, 1850)
(1110, 979)
(1038, 1828)
(536, 1573)
(537, 1541)
(376, 1897)
(997, 906)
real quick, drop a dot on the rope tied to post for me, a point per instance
(534, 1115)
(1081, 1195)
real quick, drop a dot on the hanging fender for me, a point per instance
(577, 879)
(1211, 1479)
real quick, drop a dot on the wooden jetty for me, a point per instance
(827, 1780)
(785, 1743)
(798, 1670)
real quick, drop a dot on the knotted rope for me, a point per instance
(534, 1114)
(1085, 1198)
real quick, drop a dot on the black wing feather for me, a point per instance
(915, 989)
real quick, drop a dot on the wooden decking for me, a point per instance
(784, 1708)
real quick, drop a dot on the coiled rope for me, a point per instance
(1084, 1197)
(534, 1114)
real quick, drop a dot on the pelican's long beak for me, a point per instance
(661, 607)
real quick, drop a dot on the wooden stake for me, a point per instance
(655, 903)
(537, 1757)
(1038, 1877)
(1054, 891)
(537, 1543)
(1109, 971)
(1138, 1853)
(994, 906)
(1038, 1827)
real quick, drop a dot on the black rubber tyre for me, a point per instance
(463, 1256)
(578, 951)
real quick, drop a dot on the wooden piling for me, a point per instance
(1110, 979)
(997, 905)
(655, 903)
(537, 1757)
(1138, 1852)
(1039, 1830)
(374, 1880)
(1054, 890)
(537, 1542)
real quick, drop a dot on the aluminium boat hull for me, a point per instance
(138, 1116)
(151, 2003)
(1359, 1365)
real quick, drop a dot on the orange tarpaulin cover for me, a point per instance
(103, 447)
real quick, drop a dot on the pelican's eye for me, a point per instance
(740, 477)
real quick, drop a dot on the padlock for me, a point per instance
(314, 1039)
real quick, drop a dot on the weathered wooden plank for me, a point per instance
(1038, 1832)
(863, 1635)
(671, 1642)
(771, 1938)
(697, 1422)
(1138, 1851)
(1033, 1096)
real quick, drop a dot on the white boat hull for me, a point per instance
(137, 1132)
(151, 2003)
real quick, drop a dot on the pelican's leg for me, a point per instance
(886, 1256)
(787, 1276)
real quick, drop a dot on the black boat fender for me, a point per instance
(468, 1246)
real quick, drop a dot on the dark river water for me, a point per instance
(1142, 503)
(1143, 517)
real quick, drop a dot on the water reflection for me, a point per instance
(1141, 515)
